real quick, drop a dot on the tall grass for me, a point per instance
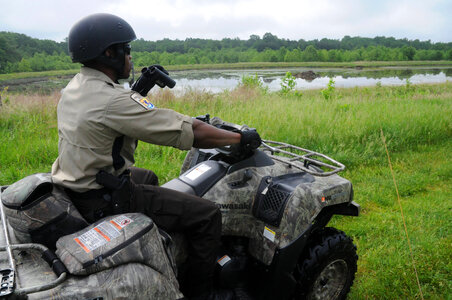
(416, 121)
(28, 136)
(347, 127)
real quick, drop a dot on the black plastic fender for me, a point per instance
(279, 280)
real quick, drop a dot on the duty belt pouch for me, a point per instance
(121, 193)
(40, 212)
(113, 241)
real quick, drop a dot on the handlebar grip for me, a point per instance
(54, 262)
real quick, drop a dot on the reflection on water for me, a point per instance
(218, 80)
(448, 72)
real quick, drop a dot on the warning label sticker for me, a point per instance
(121, 221)
(102, 233)
(90, 240)
(222, 261)
(198, 171)
(108, 231)
(269, 234)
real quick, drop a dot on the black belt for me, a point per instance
(93, 204)
(99, 193)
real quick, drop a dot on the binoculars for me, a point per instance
(150, 76)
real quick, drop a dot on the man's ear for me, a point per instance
(109, 52)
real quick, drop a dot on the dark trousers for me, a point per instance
(198, 219)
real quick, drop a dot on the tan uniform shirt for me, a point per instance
(92, 113)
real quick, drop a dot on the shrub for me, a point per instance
(328, 92)
(4, 98)
(251, 81)
(288, 83)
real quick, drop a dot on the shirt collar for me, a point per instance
(87, 71)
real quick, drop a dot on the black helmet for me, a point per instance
(92, 35)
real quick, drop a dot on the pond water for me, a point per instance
(216, 81)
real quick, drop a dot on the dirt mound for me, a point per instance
(307, 75)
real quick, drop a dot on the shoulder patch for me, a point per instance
(143, 101)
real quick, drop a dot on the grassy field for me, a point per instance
(416, 122)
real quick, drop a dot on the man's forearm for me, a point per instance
(208, 136)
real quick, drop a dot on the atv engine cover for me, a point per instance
(274, 205)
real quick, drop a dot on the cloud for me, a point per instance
(48, 19)
(216, 19)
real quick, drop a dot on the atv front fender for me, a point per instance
(280, 282)
(347, 209)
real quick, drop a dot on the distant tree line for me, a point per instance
(270, 41)
(20, 53)
(234, 55)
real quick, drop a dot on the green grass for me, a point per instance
(45, 74)
(385, 269)
(416, 121)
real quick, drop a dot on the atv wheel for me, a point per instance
(327, 269)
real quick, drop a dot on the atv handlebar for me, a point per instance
(249, 141)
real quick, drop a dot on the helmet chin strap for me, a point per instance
(132, 80)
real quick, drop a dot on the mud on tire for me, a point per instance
(327, 268)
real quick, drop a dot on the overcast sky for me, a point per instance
(217, 19)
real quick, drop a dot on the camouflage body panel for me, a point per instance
(300, 210)
(236, 208)
(19, 191)
(127, 281)
(307, 201)
(188, 160)
(138, 240)
(36, 205)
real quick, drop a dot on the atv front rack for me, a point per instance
(302, 158)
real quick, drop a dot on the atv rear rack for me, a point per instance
(9, 286)
(8, 280)
(285, 153)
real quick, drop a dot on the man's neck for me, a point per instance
(109, 72)
(106, 70)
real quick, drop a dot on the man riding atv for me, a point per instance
(99, 124)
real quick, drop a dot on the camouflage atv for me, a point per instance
(276, 202)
